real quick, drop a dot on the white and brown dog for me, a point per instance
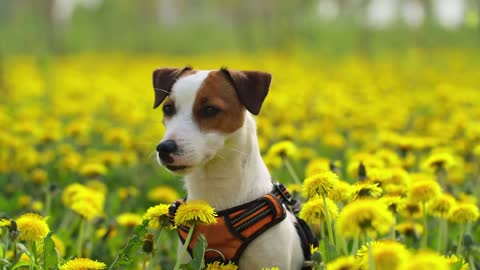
(211, 139)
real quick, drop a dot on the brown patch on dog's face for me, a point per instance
(217, 107)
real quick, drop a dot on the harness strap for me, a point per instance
(238, 226)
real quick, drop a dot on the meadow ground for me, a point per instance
(387, 148)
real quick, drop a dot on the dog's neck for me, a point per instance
(235, 176)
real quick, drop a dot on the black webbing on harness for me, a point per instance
(307, 238)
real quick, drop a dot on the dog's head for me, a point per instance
(201, 109)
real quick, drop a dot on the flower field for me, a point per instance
(384, 152)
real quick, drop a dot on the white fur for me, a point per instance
(227, 170)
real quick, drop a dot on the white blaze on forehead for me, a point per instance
(185, 89)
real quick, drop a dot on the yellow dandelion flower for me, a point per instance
(71, 161)
(369, 162)
(389, 157)
(93, 170)
(106, 232)
(476, 151)
(441, 205)
(313, 211)
(316, 166)
(83, 264)
(59, 245)
(5, 222)
(457, 262)
(378, 176)
(439, 160)
(88, 203)
(24, 200)
(39, 176)
(387, 255)
(424, 191)
(283, 149)
(32, 227)
(273, 162)
(426, 260)
(398, 184)
(195, 212)
(87, 211)
(162, 194)
(37, 206)
(158, 216)
(463, 213)
(127, 192)
(467, 198)
(69, 193)
(393, 202)
(129, 219)
(364, 216)
(270, 268)
(319, 184)
(97, 185)
(343, 263)
(24, 257)
(340, 192)
(410, 229)
(221, 266)
(365, 190)
(411, 209)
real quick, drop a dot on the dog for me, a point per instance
(211, 140)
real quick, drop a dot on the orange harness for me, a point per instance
(237, 227)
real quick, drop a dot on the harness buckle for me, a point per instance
(284, 192)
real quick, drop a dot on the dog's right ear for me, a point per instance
(163, 80)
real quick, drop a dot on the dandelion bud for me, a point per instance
(148, 243)
(362, 172)
(52, 188)
(13, 230)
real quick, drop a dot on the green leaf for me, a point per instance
(5, 262)
(332, 252)
(24, 264)
(126, 256)
(50, 259)
(198, 261)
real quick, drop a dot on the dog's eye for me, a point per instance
(209, 111)
(168, 109)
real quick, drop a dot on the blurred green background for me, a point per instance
(197, 27)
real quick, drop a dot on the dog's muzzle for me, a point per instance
(165, 149)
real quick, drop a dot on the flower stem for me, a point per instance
(48, 202)
(34, 254)
(291, 170)
(392, 229)
(184, 249)
(371, 263)
(329, 221)
(355, 245)
(155, 247)
(460, 240)
(425, 227)
(442, 233)
(81, 232)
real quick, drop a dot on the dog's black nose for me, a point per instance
(167, 147)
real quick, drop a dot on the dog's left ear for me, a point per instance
(251, 87)
(163, 80)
